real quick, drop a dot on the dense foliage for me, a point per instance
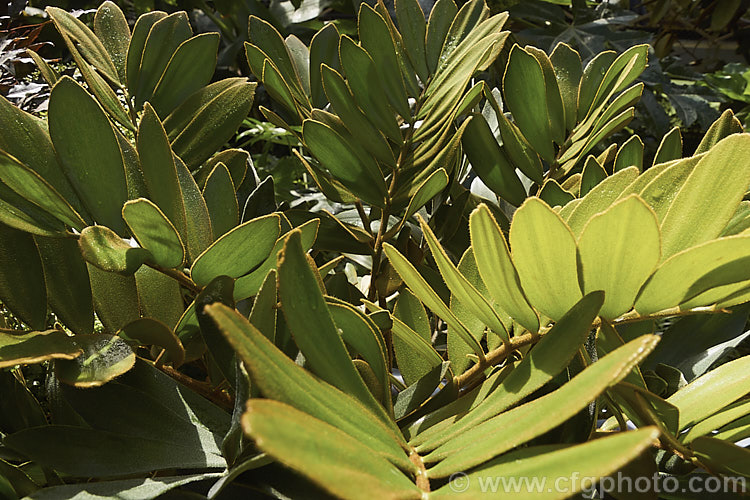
(400, 256)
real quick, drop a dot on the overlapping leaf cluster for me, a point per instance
(489, 336)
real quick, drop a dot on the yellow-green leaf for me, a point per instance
(331, 458)
(544, 251)
(609, 259)
(430, 298)
(715, 186)
(497, 269)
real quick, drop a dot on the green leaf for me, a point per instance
(545, 360)
(248, 285)
(159, 295)
(740, 220)
(111, 27)
(26, 138)
(219, 290)
(410, 313)
(461, 288)
(236, 161)
(83, 136)
(726, 125)
(221, 200)
(670, 147)
(199, 234)
(716, 186)
(279, 378)
(490, 162)
(115, 298)
(427, 190)
(365, 82)
(332, 459)
(189, 333)
(263, 315)
(728, 415)
(163, 39)
(50, 75)
(713, 391)
(474, 446)
(630, 154)
(106, 250)
(67, 281)
(519, 151)
(426, 294)
(35, 189)
(723, 457)
(592, 77)
(593, 174)
(85, 452)
(413, 29)
(141, 30)
(73, 30)
(355, 120)
(621, 73)
(276, 86)
(346, 161)
(375, 37)
(269, 41)
(22, 288)
(238, 251)
(691, 272)
(154, 232)
(555, 105)
(358, 333)
(311, 324)
(497, 269)
(19, 348)
(104, 358)
(411, 398)
(469, 16)
(544, 251)
(568, 70)
(660, 193)
(441, 16)
(144, 489)
(600, 198)
(189, 69)
(459, 353)
(207, 119)
(324, 49)
(99, 87)
(300, 55)
(594, 459)
(610, 261)
(554, 195)
(148, 331)
(526, 98)
(133, 174)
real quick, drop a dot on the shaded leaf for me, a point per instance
(83, 136)
(104, 358)
(154, 232)
(19, 348)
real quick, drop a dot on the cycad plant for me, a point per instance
(515, 335)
